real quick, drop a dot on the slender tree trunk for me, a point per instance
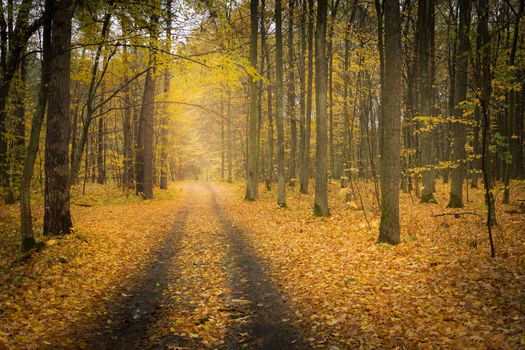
(26, 220)
(229, 135)
(223, 142)
(305, 162)
(483, 8)
(281, 176)
(252, 181)
(389, 228)
(380, 46)
(425, 32)
(512, 124)
(330, 58)
(9, 64)
(94, 83)
(458, 128)
(101, 146)
(266, 50)
(302, 84)
(321, 171)
(291, 95)
(164, 119)
(57, 216)
(128, 134)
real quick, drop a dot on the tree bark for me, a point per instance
(389, 228)
(291, 95)
(425, 32)
(321, 171)
(57, 216)
(458, 128)
(252, 181)
(144, 159)
(305, 162)
(164, 119)
(26, 220)
(281, 176)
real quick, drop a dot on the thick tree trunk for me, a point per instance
(321, 171)
(459, 129)
(57, 216)
(389, 228)
(145, 150)
(281, 176)
(252, 181)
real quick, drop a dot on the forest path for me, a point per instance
(183, 282)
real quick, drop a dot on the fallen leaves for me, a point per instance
(73, 280)
(433, 290)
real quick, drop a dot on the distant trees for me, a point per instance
(155, 97)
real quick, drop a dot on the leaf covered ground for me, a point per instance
(439, 288)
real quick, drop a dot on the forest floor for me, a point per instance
(198, 267)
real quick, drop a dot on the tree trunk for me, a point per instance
(26, 220)
(305, 162)
(265, 48)
(512, 122)
(252, 181)
(291, 96)
(8, 66)
(459, 129)
(101, 146)
(164, 119)
(144, 158)
(281, 176)
(57, 216)
(483, 8)
(321, 171)
(425, 32)
(229, 135)
(302, 84)
(389, 228)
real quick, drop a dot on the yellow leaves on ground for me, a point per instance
(197, 288)
(438, 289)
(70, 284)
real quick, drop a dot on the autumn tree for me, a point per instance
(459, 128)
(321, 169)
(57, 214)
(281, 176)
(252, 180)
(389, 229)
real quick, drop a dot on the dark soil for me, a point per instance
(260, 316)
(142, 300)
